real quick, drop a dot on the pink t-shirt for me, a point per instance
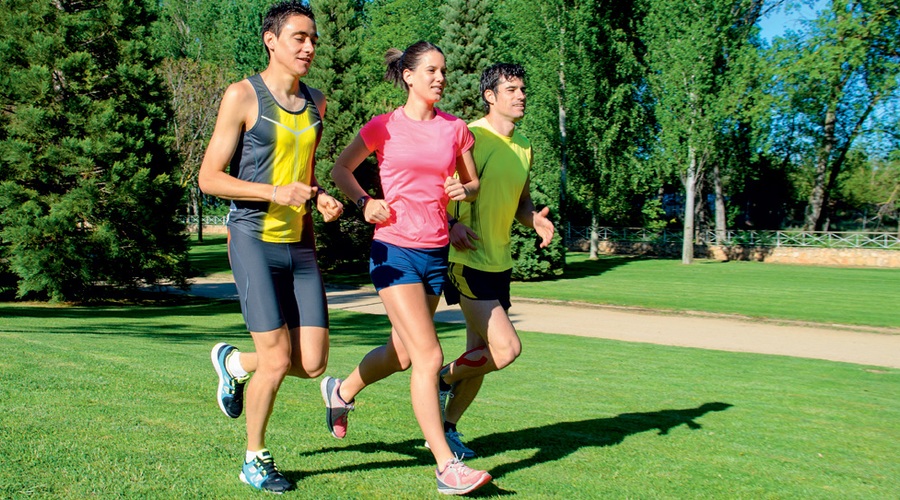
(415, 158)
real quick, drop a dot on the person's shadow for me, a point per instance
(553, 442)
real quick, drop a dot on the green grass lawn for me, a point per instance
(119, 402)
(851, 296)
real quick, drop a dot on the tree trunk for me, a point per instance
(595, 238)
(721, 224)
(561, 97)
(690, 194)
(817, 196)
(198, 209)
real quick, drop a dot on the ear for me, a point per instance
(269, 39)
(490, 96)
(407, 77)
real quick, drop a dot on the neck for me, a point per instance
(501, 124)
(419, 110)
(281, 84)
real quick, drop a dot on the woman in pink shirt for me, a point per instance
(418, 148)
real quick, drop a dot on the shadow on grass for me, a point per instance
(588, 268)
(170, 323)
(553, 442)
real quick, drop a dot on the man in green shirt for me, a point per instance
(480, 256)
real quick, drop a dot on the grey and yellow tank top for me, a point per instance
(278, 150)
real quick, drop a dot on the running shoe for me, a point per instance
(456, 445)
(336, 409)
(262, 474)
(459, 479)
(230, 392)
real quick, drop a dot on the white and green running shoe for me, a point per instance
(262, 474)
(230, 391)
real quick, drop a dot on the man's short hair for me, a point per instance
(278, 14)
(491, 76)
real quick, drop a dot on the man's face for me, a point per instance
(509, 98)
(295, 47)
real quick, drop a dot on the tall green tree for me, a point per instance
(692, 81)
(86, 192)
(834, 78)
(336, 71)
(469, 49)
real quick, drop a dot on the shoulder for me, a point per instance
(520, 139)
(453, 119)
(317, 96)
(239, 93)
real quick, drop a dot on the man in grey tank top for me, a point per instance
(261, 157)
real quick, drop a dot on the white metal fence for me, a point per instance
(818, 239)
(208, 220)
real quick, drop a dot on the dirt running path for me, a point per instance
(867, 346)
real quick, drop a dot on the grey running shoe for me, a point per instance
(456, 445)
(230, 391)
(336, 409)
(262, 474)
(459, 479)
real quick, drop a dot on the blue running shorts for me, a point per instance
(391, 265)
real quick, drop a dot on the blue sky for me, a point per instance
(783, 18)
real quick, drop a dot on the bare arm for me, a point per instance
(351, 157)
(463, 187)
(527, 216)
(327, 205)
(236, 114)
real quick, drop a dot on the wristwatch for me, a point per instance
(361, 202)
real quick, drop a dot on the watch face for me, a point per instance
(361, 203)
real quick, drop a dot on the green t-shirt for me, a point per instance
(502, 164)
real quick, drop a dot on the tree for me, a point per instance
(195, 88)
(86, 193)
(690, 50)
(834, 78)
(468, 49)
(336, 71)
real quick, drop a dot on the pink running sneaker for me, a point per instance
(336, 409)
(458, 479)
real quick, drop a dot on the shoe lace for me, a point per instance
(460, 468)
(267, 466)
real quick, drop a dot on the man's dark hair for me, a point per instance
(491, 76)
(279, 13)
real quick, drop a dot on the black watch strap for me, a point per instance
(361, 202)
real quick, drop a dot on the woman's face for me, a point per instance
(427, 80)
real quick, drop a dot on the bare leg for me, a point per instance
(501, 346)
(273, 355)
(379, 363)
(411, 312)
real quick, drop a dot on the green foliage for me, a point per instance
(85, 161)
(467, 45)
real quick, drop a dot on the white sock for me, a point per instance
(250, 455)
(233, 364)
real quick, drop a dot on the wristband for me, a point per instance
(452, 222)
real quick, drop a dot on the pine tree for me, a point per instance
(85, 190)
(468, 48)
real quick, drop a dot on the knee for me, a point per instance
(314, 371)
(276, 367)
(507, 353)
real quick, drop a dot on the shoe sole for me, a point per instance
(214, 357)
(483, 480)
(326, 397)
(244, 480)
